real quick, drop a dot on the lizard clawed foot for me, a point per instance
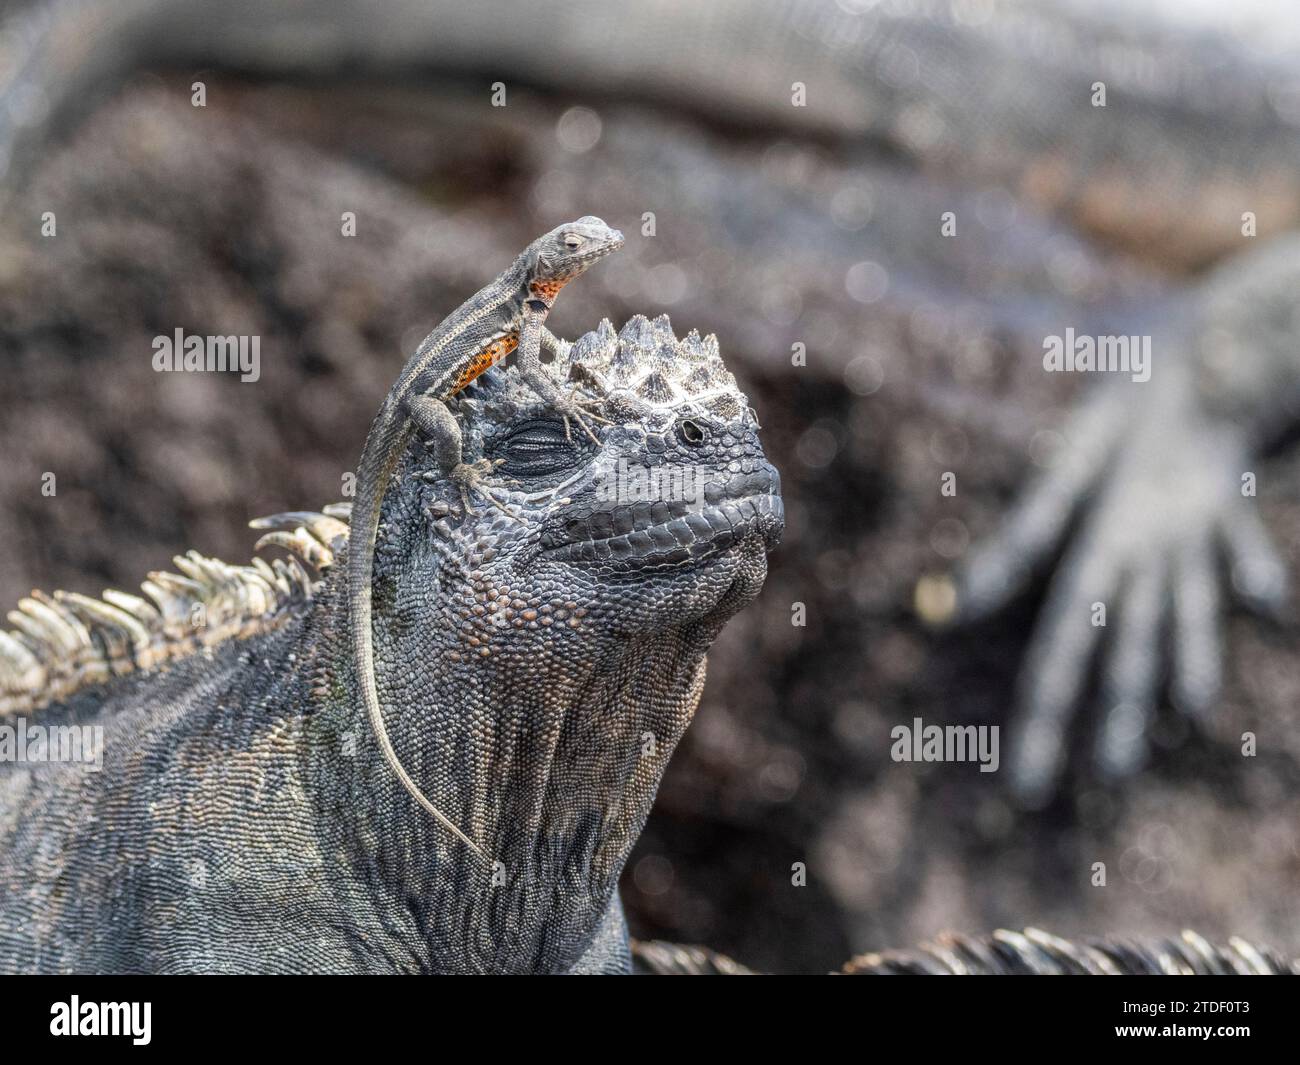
(566, 406)
(468, 477)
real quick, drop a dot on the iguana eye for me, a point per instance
(538, 449)
(572, 240)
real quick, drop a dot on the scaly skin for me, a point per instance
(1005, 953)
(508, 313)
(696, 162)
(1037, 953)
(545, 666)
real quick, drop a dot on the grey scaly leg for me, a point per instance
(533, 336)
(442, 433)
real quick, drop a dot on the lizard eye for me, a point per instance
(572, 240)
(538, 449)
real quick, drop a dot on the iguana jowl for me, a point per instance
(508, 313)
(546, 665)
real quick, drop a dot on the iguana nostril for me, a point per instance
(692, 432)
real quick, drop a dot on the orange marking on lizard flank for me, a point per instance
(486, 359)
(547, 290)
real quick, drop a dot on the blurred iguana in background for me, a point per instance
(882, 210)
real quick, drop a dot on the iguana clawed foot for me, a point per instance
(1148, 550)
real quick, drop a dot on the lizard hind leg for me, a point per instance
(468, 477)
(442, 435)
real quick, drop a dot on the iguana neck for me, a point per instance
(548, 762)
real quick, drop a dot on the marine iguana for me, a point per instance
(1167, 468)
(546, 664)
(1032, 952)
(1007, 93)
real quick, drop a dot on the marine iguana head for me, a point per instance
(542, 665)
(556, 258)
(653, 526)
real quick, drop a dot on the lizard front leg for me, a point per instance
(533, 337)
(553, 345)
(441, 432)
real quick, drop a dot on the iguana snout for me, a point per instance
(660, 506)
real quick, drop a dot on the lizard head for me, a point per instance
(565, 252)
(547, 660)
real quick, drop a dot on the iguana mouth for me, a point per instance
(660, 533)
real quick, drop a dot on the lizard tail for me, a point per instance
(385, 443)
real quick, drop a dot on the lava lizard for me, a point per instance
(507, 314)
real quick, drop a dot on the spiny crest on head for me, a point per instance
(645, 357)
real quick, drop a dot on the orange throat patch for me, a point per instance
(547, 290)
